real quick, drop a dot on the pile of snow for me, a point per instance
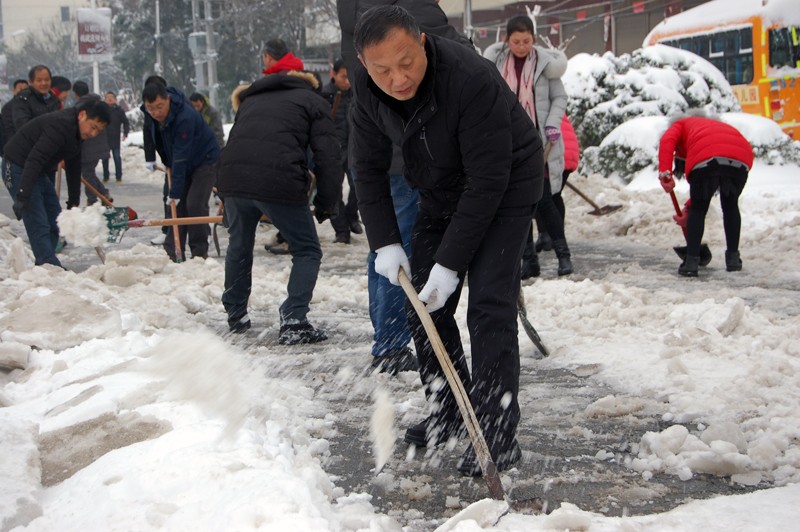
(84, 226)
(606, 91)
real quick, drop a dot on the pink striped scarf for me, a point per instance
(526, 94)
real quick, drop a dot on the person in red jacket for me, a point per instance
(717, 157)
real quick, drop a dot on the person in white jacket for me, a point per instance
(534, 74)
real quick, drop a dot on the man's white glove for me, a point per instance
(150, 165)
(389, 261)
(171, 200)
(442, 282)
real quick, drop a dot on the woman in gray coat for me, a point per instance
(534, 73)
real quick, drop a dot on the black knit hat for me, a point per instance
(276, 48)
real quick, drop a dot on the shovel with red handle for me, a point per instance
(705, 252)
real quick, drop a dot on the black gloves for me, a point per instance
(20, 204)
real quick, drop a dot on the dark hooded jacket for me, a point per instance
(469, 148)
(427, 13)
(28, 104)
(279, 117)
(41, 144)
(184, 141)
(118, 124)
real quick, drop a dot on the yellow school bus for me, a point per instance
(754, 43)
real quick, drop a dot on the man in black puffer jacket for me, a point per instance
(474, 155)
(37, 146)
(263, 170)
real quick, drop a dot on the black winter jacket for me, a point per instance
(117, 124)
(7, 123)
(39, 146)
(330, 91)
(28, 104)
(469, 148)
(279, 117)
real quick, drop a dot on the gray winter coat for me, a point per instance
(551, 100)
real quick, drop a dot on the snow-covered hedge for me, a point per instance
(607, 91)
(633, 146)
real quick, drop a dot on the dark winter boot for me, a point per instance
(688, 267)
(530, 267)
(562, 252)
(544, 242)
(733, 262)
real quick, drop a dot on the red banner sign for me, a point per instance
(94, 35)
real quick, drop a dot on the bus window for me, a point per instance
(700, 45)
(746, 39)
(780, 48)
(717, 45)
(731, 43)
(685, 44)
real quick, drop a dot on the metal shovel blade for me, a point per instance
(605, 209)
(705, 253)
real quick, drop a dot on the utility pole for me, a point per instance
(199, 62)
(159, 66)
(95, 64)
(211, 54)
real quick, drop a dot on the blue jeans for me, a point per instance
(296, 225)
(115, 153)
(386, 301)
(40, 214)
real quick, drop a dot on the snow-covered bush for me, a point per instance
(606, 91)
(633, 145)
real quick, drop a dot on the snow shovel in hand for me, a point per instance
(528, 327)
(598, 211)
(476, 437)
(118, 222)
(705, 252)
(132, 215)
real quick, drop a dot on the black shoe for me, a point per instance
(530, 267)
(688, 267)
(119, 179)
(342, 238)
(733, 262)
(105, 180)
(544, 242)
(504, 458)
(432, 431)
(239, 325)
(300, 333)
(396, 361)
(277, 249)
(356, 228)
(564, 257)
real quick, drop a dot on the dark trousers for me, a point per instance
(348, 212)
(703, 184)
(115, 153)
(90, 175)
(297, 226)
(39, 217)
(494, 284)
(194, 202)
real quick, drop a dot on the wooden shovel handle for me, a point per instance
(467, 412)
(192, 220)
(174, 213)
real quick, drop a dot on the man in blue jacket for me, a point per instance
(189, 149)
